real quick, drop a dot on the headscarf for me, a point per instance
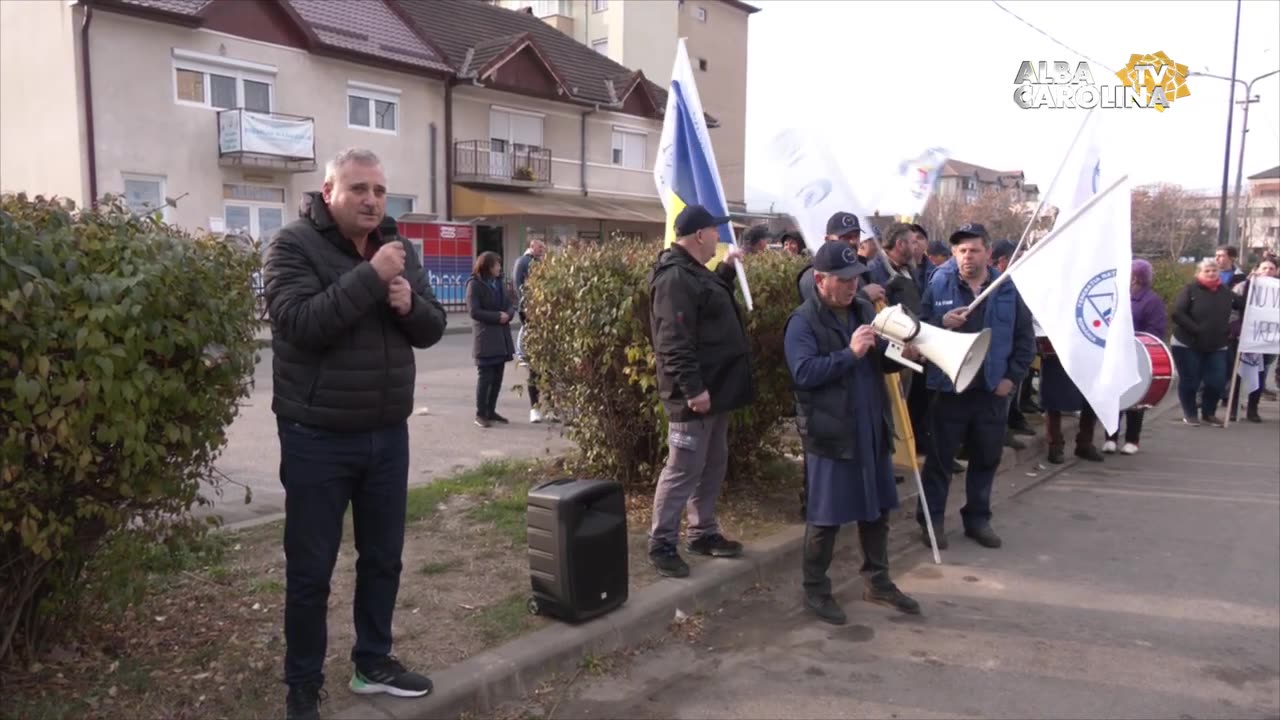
(1142, 273)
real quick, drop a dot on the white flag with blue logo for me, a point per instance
(1078, 285)
(1250, 372)
(813, 187)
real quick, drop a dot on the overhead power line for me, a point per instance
(1055, 40)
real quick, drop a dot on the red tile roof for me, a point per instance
(375, 31)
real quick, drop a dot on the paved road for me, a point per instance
(1146, 587)
(442, 441)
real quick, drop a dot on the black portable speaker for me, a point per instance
(577, 548)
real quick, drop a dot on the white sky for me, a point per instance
(882, 81)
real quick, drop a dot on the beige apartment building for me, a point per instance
(642, 34)
(968, 182)
(222, 113)
(219, 114)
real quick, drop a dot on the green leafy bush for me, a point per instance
(125, 345)
(1168, 279)
(588, 338)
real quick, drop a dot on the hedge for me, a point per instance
(588, 338)
(125, 345)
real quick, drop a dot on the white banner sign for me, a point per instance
(1260, 332)
(241, 131)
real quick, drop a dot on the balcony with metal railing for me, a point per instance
(488, 162)
(266, 140)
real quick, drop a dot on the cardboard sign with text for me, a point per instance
(1260, 332)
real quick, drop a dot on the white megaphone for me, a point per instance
(958, 355)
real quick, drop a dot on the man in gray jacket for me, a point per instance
(349, 303)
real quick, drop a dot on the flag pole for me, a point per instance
(1047, 239)
(1044, 197)
(1231, 391)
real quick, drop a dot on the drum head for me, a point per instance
(1138, 391)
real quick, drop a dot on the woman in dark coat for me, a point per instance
(1201, 332)
(1149, 316)
(1266, 268)
(491, 309)
(1059, 396)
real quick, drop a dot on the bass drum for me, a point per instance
(1155, 367)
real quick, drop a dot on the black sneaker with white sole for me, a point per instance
(390, 677)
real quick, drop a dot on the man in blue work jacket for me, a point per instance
(977, 416)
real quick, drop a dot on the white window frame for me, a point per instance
(371, 93)
(159, 180)
(240, 70)
(701, 14)
(619, 132)
(601, 43)
(599, 5)
(515, 111)
(255, 228)
(413, 201)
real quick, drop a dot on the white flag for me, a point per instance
(1081, 170)
(812, 187)
(1078, 288)
(1250, 372)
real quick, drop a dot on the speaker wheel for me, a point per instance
(532, 606)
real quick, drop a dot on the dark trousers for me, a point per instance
(532, 385)
(1252, 398)
(1200, 368)
(1132, 427)
(1016, 418)
(322, 472)
(918, 410)
(820, 546)
(488, 384)
(976, 419)
(1084, 430)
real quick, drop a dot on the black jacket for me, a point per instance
(1202, 319)
(699, 336)
(824, 415)
(343, 358)
(489, 337)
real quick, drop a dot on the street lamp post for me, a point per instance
(1249, 98)
(1231, 113)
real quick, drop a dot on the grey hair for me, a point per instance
(362, 156)
(1208, 263)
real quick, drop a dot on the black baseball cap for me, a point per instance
(969, 230)
(937, 247)
(843, 223)
(1002, 249)
(839, 259)
(694, 218)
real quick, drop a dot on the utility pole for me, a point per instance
(1235, 203)
(1231, 111)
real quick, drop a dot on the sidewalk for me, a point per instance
(459, 323)
(484, 682)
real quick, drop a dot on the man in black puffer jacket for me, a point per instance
(349, 303)
(704, 374)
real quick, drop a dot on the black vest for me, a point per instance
(822, 416)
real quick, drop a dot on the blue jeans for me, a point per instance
(977, 419)
(322, 472)
(1196, 369)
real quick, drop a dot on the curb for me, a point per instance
(512, 671)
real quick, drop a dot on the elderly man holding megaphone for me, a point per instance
(838, 363)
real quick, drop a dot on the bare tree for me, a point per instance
(1004, 213)
(1167, 221)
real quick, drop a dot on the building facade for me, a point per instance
(221, 114)
(968, 182)
(642, 34)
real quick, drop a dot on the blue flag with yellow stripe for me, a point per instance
(685, 171)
